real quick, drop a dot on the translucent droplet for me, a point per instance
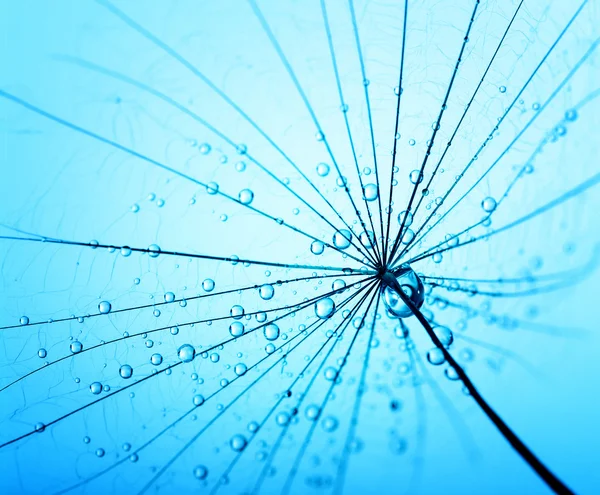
(96, 388)
(445, 335)
(204, 148)
(411, 285)
(238, 443)
(502, 89)
(282, 419)
(341, 239)
(436, 357)
(186, 353)
(104, 307)
(416, 177)
(406, 217)
(42, 353)
(236, 312)
(156, 359)
(271, 331)
(240, 369)
(100, 452)
(76, 347)
(126, 371)
(370, 192)
(24, 320)
(236, 329)
(367, 239)
(212, 188)
(198, 400)
(208, 285)
(266, 292)
(312, 412)
(200, 472)
(317, 247)
(324, 308)
(153, 251)
(330, 423)
(246, 196)
(489, 204)
(323, 169)
(338, 284)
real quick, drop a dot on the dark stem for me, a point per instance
(528, 456)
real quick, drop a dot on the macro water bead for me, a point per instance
(411, 286)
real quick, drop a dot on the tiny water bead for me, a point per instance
(236, 312)
(317, 247)
(186, 353)
(126, 371)
(245, 196)
(204, 148)
(169, 297)
(411, 285)
(154, 250)
(96, 388)
(416, 177)
(104, 307)
(156, 359)
(341, 239)
(271, 331)
(240, 369)
(445, 335)
(236, 329)
(370, 192)
(266, 292)
(212, 188)
(489, 204)
(208, 285)
(76, 346)
(238, 443)
(24, 320)
(200, 472)
(42, 353)
(436, 357)
(325, 308)
(323, 169)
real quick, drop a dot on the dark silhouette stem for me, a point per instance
(528, 456)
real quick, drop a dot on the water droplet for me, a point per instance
(200, 472)
(271, 331)
(208, 285)
(76, 346)
(489, 204)
(406, 217)
(324, 308)
(416, 177)
(341, 239)
(186, 353)
(330, 424)
(125, 251)
(169, 297)
(42, 353)
(240, 369)
(153, 251)
(312, 412)
(40, 427)
(236, 312)
(212, 188)
(126, 371)
(266, 292)
(445, 335)
(370, 192)
(198, 400)
(317, 247)
(204, 148)
(24, 320)
(323, 169)
(412, 287)
(236, 329)
(96, 388)
(338, 284)
(502, 89)
(238, 443)
(436, 357)
(246, 196)
(156, 359)
(104, 307)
